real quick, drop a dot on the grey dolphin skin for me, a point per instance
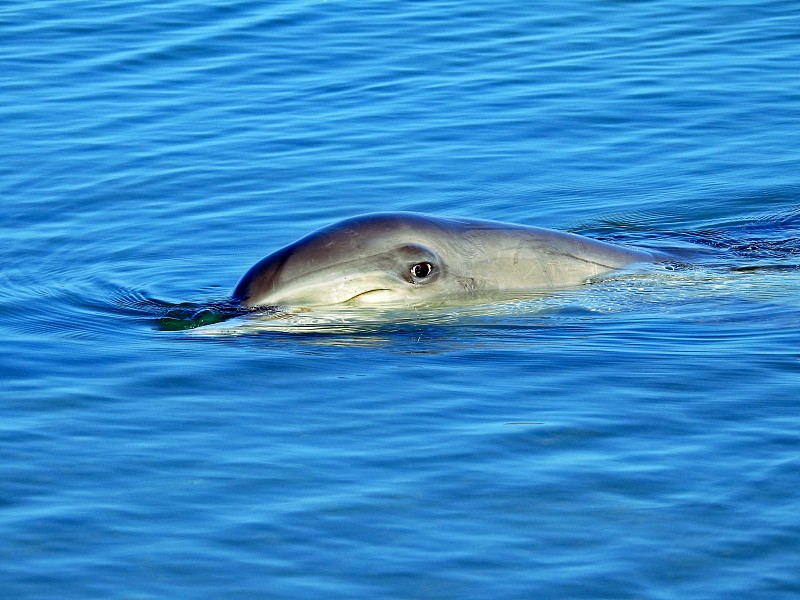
(407, 259)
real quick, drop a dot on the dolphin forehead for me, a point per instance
(365, 236)
(359, 238)
(383, 228)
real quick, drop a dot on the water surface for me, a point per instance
(635, 438)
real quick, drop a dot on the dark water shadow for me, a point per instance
(764, 241)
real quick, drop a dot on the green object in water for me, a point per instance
(182, 318)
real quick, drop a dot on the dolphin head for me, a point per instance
(382, 259)
(405, 259)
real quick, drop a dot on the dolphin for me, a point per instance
(409, 259)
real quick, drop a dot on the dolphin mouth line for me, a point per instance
(362, 294)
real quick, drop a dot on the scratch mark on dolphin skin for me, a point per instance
(469, 284)
(587, 261)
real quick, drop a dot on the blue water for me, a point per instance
(635, 438)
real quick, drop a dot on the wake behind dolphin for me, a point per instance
(407, 260)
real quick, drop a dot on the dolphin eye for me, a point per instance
(416, 264)
(421, 270)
